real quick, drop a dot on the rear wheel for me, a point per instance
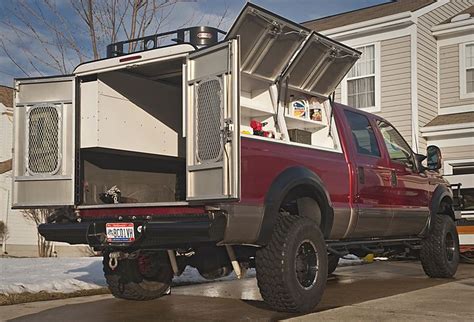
(143, 278)
(292, 268)
(440, 250)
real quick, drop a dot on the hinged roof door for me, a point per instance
(267, 41)
(272, 46)
(320, 65)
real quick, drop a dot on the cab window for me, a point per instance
(398, 149)
(362, 134)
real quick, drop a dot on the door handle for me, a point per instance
(393, 178)
(361, 174)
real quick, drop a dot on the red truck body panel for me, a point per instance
(263, 160)
(378, 197)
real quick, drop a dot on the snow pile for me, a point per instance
(67, 275)
(63, 275)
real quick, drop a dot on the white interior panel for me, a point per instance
(127, 112)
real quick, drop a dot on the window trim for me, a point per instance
(463, 71)
(344, 97)
(412, 153)
(354, 143)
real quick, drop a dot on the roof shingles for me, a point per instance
(6, 96)
(378, 11)
(459, 118)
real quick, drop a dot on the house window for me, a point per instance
(361, 79)
(467, 70)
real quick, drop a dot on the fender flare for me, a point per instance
(279, 189)
(440, 193)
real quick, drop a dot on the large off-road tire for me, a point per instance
(440, 249)
(144, 278)
(292, 268)
(333, 261)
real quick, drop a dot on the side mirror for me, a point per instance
(433, 156)
(419, 159)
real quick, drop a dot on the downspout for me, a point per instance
(414, 88)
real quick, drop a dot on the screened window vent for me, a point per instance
(209, 119)
(43, 148)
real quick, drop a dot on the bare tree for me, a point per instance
(42, 36)
(3, 231)
(40, 216)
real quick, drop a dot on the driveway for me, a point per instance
(379, 291)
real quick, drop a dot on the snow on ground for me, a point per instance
(64, 275)
(67, 275)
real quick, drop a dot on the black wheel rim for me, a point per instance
(306, 264)
(450, 247)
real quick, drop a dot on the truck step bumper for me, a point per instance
(153, 233)
(72, 233)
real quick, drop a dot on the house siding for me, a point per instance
(458, 152)
(21, 232)
(449, 78)
(427, 62)
(395, 83)
(395, 80)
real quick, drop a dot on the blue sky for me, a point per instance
(197, 12)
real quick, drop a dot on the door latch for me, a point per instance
(361, 175)
(228, 130)
(393, 178)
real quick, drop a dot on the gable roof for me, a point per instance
(469, 10)
(458, 118)
(6, 96)
(364, 14)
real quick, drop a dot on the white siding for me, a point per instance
(395, 79)
(337, 97)
(449, 78)
(427, 60)
(21, 232)
(458, 152)
(6, 134)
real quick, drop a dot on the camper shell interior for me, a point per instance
(131, 129)
(132, 115)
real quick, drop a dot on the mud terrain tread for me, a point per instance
(333, 262)
(130, 291)
(122, 287)
(271, 277)
(432, 255)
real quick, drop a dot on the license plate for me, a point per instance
(120, 232)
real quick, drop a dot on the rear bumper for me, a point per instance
(153, 233)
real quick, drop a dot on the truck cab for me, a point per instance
(225, 155)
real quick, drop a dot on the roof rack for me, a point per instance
(197, 36)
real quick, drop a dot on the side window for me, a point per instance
(398, 148)
(362, 134)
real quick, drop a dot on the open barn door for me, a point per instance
(212, 129)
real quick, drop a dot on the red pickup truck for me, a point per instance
(151, 159)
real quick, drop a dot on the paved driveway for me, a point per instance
(379, 291)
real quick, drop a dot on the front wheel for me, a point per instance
(146, 277)
(292, 269)
(440, 249)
